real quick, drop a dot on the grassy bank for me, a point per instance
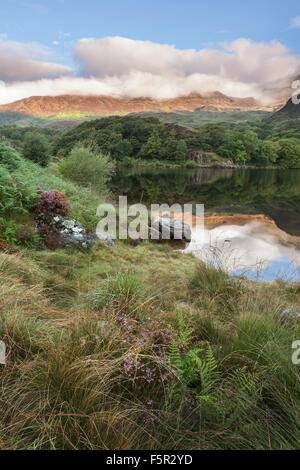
(143, 348)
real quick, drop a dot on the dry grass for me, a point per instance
(73, 322)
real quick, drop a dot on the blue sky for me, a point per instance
(184, 23)
(33, 32)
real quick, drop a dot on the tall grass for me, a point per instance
(104, 367)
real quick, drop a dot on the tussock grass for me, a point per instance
(100, 356)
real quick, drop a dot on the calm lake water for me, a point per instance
(256, 230)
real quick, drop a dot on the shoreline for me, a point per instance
(159, 164)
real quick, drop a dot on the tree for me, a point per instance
(252, 144)
(153, 146)
(232, 144)
(241, 157)
(169, 150)
(269, 150)
(121, 149)
(181, 151)
(289, 153)
(36, 148)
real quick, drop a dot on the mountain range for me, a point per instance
(41, 106)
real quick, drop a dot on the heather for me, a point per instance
(103, 354)
(19, 197)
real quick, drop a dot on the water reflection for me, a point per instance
(275, 193)
(253, 242)
(257, 250)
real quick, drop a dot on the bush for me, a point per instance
(29, 176)
(53, 202)
(87, 167)
(9, 157)
(11, 200)
(36, 148)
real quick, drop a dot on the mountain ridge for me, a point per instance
(104, 105)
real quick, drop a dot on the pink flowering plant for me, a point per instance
(52, 202)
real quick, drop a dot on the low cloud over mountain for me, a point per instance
(125, 67)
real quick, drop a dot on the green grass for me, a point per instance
(102, 356)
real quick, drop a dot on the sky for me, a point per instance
(156, 48)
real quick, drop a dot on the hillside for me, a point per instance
(290, 110)
(104, 105)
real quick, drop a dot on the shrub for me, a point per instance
(9, 157)
(36, 148)
(29, 176)
(87, 167)
(53, 202)
(10, 194)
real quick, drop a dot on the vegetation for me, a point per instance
(102, 354)
(19, 183)
(125, 138)
(87, 167)
(36, 148)
(242, 138)
(136, 347)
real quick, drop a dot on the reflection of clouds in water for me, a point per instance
(250, 249)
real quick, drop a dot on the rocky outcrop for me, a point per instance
(60, 232)
(167, 228)
(201, 157)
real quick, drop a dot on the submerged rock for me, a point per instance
(167, 228)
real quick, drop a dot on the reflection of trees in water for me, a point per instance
(208, 175)
(273, 192)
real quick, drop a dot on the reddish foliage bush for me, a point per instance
(51, 239)
(7, 248)
(53, 202)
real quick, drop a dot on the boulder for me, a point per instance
(290, 314)
(60, 232)
(167, 228)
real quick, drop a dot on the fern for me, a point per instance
(190, 367)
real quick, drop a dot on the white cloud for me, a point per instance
(3, 36)
(241, 60)
(23, 62)
(295, 22)
(132, 85)
(242, 68)
(126, 67)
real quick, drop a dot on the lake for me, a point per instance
(252, 217)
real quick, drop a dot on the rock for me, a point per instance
(105, 238)
(290, 314)
(135, 241)
(60, 232)
(237, 282)
(72, 238)
(183, 306)
(167, 228)
(154, 234)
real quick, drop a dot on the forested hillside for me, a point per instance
(272, 141)
(148, 138)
